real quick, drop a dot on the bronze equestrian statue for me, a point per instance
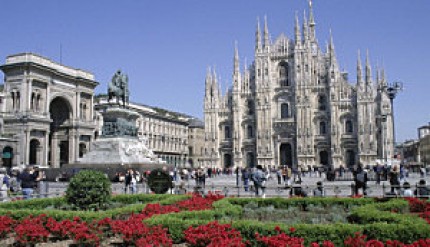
(118, 87)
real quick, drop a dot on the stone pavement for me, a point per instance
(226, 184)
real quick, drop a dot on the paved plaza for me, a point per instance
(226, 184)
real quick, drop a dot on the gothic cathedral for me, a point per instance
(293, 106)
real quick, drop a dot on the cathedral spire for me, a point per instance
(305, 27)
(236, 73)
(368, 69)
(236, 58)
(383, 80)
(331, 47)
(208, 83)
(311, 21)
(215, 87)
(359, 69)
(297, 30)
(258, 36)
(266, 34)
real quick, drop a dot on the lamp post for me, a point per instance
(392, 89)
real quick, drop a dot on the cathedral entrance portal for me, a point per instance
(227, 161)
(324, 158)
(286, 155)
(60, 112)
(350, 158)
(250, 159)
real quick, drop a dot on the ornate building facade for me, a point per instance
(46, 111)
(294, 106)
(49, 116)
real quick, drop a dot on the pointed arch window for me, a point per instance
(323, 128)
(283, 74)
(284, 111)
(249, 131)
(227, 133)
(349, 127)
(322, 103)
(250, 107)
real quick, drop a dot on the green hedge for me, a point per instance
(283, 203)
(24, 208)
(378, 220)
(372, 218)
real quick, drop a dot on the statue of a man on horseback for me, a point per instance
(118, 87)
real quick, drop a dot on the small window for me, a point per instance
(322, 103)
(349, 127)
(250, 132)
(227, 133)
(250, 107)
(284, 111)
(323, 128)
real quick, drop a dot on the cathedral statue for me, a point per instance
(118, 87)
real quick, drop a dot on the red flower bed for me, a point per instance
(281, 239)
(213, 234)
(31, 230)
(421, 207)
(133, 231)
(6, 226)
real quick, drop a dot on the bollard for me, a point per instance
(238, 191)
(352, 189)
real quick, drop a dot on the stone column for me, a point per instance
(78, 105)
(26, 144)
(73, 142)
(91, 109)
(46, 149)
(26, 95)
(47, 99)
(39, 156)
(54, 151)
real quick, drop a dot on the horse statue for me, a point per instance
(118, 87)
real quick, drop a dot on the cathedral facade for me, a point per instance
(294, 106)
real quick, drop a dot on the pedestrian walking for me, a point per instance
(4, 185)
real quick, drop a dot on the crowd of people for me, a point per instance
(20, 181)
(395, 175)
(26, 181)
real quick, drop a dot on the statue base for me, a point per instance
(118, 151)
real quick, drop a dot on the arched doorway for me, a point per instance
(34, 147)
(286, 155)
(324, 158)
(7, 156)
(228, 161)
(350, 158)
(60, 112)
(250, 162)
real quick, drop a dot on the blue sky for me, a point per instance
(165, 46)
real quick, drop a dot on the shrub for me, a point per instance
(89, 190)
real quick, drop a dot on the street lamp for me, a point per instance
(392, 89)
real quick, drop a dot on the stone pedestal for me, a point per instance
(119, 146)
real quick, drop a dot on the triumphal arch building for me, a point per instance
(46, 112)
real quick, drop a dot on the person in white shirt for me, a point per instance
(407, 191)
